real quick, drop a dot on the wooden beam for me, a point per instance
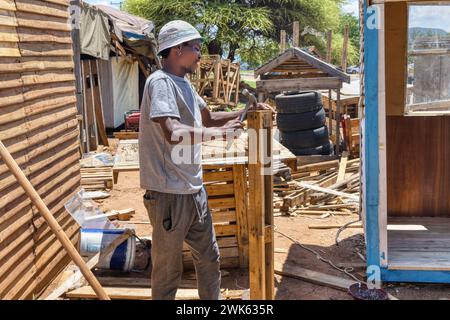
(296, 34)
(257, 264)
(121, 293)
(329, 47)
(345, 49)
(298, 84)
(314, 277)
(282, 41)
(286, 55)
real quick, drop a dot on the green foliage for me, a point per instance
(250, 29)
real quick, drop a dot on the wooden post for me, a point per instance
(330, 112)
(282, 41)
(329, 46)
(217, 70)
(85, 112)
(92, 85)
(98, 106)
(53, 224)
(238, 80)
(261, 97)
(338, 120)
(241, 194)
(268, 201)
(296, 34)
(345, 49)
(260, 215)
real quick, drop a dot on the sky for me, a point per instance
(420, 16)
(430, 17)
(351, 7)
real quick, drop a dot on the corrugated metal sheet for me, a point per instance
(38, 126)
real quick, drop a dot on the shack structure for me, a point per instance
(405, 143)
(297, 70)
(114, 53)
(38, 126)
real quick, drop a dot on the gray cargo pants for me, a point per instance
(176, 218)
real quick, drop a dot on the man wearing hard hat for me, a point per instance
(173, 118)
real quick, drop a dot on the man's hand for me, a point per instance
(232, 129)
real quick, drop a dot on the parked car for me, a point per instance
(353, 70)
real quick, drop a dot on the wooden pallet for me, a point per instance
(98, 178)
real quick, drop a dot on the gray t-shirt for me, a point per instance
(164, 167)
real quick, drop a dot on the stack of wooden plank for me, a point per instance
(226, 186)
(97, 178)
(330, 187)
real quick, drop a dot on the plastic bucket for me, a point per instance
(94, 240)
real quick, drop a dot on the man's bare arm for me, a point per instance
(218, 119)
(176, 132)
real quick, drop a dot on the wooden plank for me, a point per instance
(219, 189)
(7, 18)
(314, 277)
(256, 210)
(345, 49)
(225, 230)
(31, 20)
(224, 216)
(298, 84)
(28, 49)
(9, 49)
(241, 191)
(38, 35)
(8, 34)
(286, 55)
(217, 176)
(42, 8)
(7, 5)
(126, 135)
(342, 167)
(124, 293)
(333, 226)
(222, 203)
(35, 64)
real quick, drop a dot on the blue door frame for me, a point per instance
(371, 168)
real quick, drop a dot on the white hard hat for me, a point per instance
(176, 32)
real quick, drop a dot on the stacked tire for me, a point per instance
(301, 121)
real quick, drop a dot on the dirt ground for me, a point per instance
(127, 194)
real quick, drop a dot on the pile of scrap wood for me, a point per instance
(323, 189)
(96, 171)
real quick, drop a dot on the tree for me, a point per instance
(224, 25)
(245, 29)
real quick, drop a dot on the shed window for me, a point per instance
(428, 69)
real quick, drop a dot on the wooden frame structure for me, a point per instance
(405, 177)
(226, 179)
(297, 70)
(218, 80)
(260, 213)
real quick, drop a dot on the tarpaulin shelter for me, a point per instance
(114, 53)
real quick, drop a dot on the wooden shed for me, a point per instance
(298, 70)
(405, 145)
(38, 126)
